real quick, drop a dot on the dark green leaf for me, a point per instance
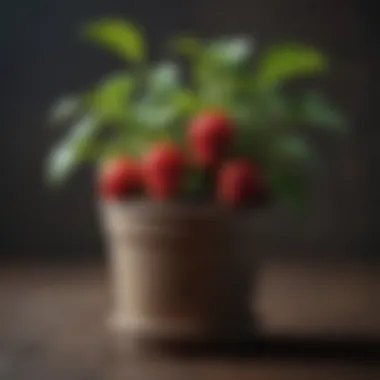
(293, 152)
(119, 36)
(317, 112)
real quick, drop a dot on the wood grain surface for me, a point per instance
(318, 321)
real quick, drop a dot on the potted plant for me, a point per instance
(179, 160)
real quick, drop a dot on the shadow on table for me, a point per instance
(358, 350)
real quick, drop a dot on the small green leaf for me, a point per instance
(155, 116)
(60, 163)
(317, 112)
(273, 106)
(163, 79)
(111, 98)
(159, 108)
(65, 109)
(230, 52)
(289, 61)
(293, 151)
(71, 151)
(119, 36)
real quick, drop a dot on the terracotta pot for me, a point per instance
(174, 271)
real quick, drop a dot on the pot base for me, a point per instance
(145, 336)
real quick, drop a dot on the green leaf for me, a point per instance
(119, 36)
(286, 112)
(288, 61)
(163, 79)
(162, 103)
(272, 107)
(318, 112)
(217, 67)
(216, 88)
(133, 145)
(61, 163)
(220, 71)
(230, 52)
(111, 98)
(293, 152)
(65, 109)
(72, 150)
(153, 116)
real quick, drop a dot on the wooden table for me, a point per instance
(319, 321)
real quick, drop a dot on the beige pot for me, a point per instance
(174, 272)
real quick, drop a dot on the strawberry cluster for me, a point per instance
(162, 169)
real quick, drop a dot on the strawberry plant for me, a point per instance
(227, 128)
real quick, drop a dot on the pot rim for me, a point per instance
(170, 205)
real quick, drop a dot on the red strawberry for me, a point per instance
(119, 177)
(209, 135)
(163, 167)
(238, 181)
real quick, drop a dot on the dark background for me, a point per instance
(41, 58)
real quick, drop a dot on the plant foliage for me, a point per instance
(144, 102)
